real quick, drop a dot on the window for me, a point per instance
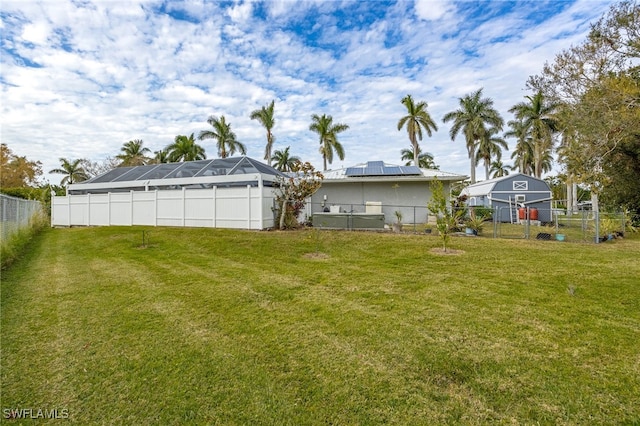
(520, 185)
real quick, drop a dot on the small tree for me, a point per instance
(446, 220)
(293, 191)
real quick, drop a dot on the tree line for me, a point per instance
(476, 120)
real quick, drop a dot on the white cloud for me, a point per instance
(115, 71)
(432, 10)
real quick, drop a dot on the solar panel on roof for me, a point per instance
(410, 170)
(373, 171)
(354, 171)
(378, 168)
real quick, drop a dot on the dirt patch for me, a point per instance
(316, 256)
(449, 252)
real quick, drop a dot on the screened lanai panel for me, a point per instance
(159, 171)
(134, 173)
(243, 167)
(218, 167)
(188, 169)
(110, 175)
(247, 165)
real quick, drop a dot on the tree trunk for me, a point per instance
(472, 157)
(283, 212)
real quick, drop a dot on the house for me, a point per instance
(510, 195)
(377, 187)
(221, 193)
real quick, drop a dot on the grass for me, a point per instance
(17, 241)
(207, 326)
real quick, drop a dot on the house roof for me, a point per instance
(381, 171)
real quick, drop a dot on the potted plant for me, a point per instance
(607, 228)
(397, 227)
(474, 223)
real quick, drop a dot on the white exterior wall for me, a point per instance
(240, 207)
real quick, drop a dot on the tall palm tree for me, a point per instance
(226, 141)
(490, 147)
(133, 153)
(185, 148)
(72, 170)
(499, 169)
(328, 133)
(416, 120)
(425, 159)
(538, 115)
(474, 114)
(523, 153)
(264, 115)
(283, 160)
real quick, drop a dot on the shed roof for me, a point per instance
(486, 186)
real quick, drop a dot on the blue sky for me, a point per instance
(80, 78)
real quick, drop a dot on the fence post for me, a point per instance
(249, 206)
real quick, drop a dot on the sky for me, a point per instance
(80, 78)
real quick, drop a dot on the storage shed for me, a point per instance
(507, 195)
(221, 193)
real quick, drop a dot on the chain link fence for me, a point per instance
(368, 216)
(582, 226)
(15, 214)
(524, 223)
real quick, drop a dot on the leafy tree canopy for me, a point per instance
(16, 171)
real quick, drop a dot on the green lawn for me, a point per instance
(210, 326)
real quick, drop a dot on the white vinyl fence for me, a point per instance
(15, 214)
(238, 207)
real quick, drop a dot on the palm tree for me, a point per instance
(425, 159)
(133, 154)
(161, 156)
(523, 153)
(499, 169)
(283, 161)
(265, 116)
(72, 170)
(226, 141)
(185, 149)
(538, 116)
(328, 133)
(489, 147)
(417, 118)
(471, 118)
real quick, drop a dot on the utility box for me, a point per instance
(373, 207)
(334, 209)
